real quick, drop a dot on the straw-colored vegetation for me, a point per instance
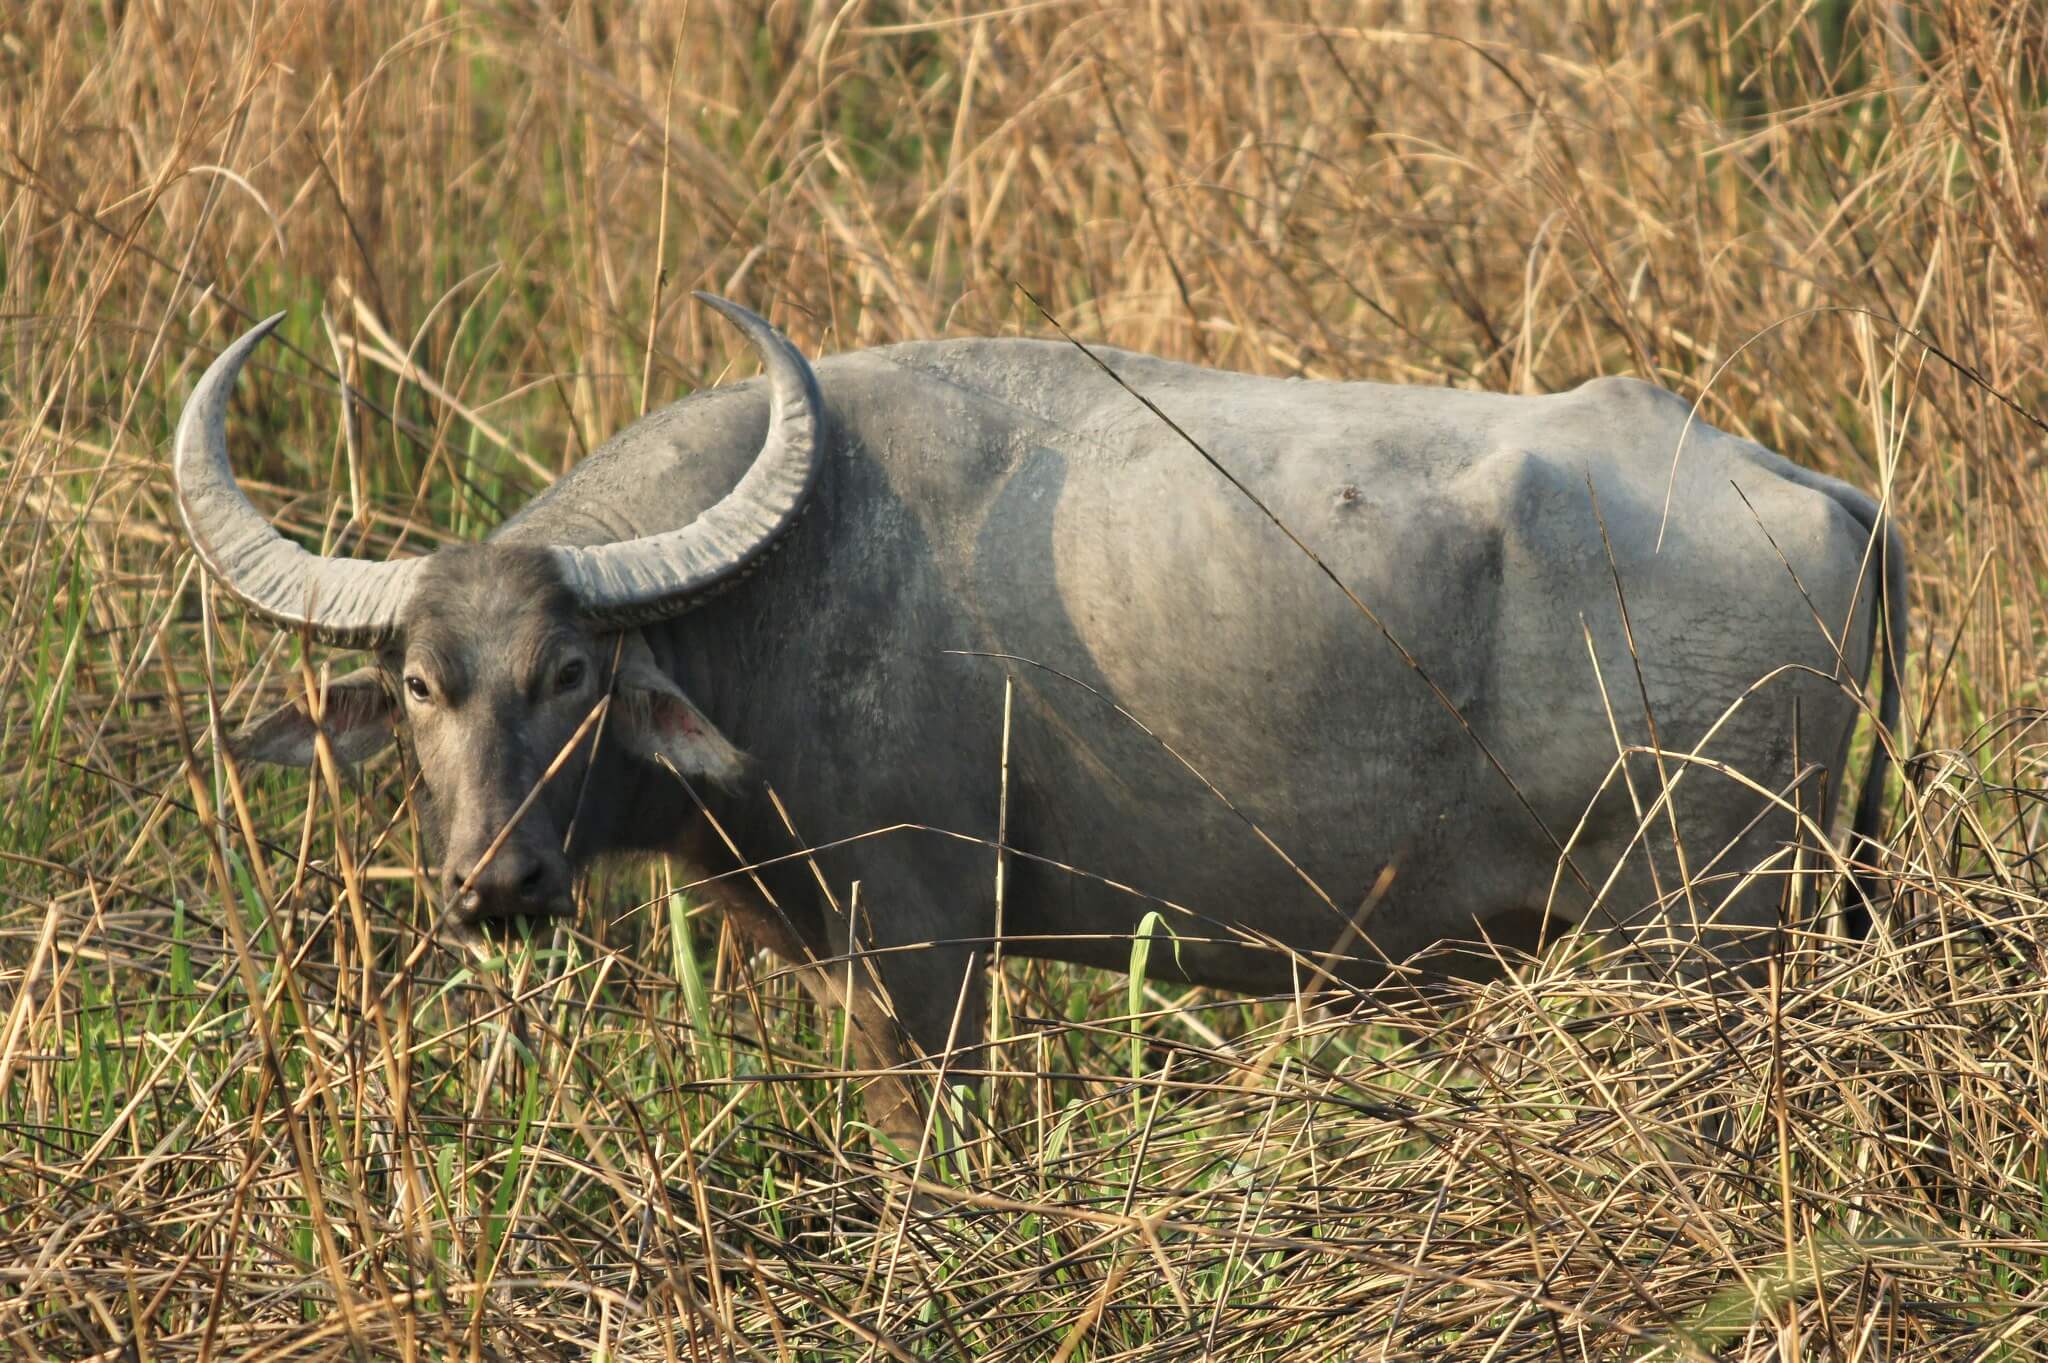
(244, 1114)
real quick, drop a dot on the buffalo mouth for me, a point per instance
(482, 929)
(539, 913)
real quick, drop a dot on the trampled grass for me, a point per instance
(245, 1112)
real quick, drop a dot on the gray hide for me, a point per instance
(1006, 496)
(1009, 497)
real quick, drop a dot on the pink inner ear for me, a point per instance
(671, 729)
(677, 719)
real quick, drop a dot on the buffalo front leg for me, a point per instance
(923, 964)
(810, 935)
(913, 978)
(916, 1007)
(845, 984)
(906, 971)
(890, 1076)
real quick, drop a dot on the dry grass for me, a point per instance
(229, 1126)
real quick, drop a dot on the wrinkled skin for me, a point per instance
(1007, 497)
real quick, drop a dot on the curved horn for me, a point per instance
(339, 601)
(639, 581)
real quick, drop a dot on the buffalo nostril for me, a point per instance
(470, 893)
(512, 883)
(467, 906)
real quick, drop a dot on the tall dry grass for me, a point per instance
(231, 1126)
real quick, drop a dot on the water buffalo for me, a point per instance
(1203, 723)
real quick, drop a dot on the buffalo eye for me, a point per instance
(571, 675)
(416, 687)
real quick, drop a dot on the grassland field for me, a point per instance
(245, 1114)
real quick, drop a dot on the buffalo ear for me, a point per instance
(357, 719)
(661, 723)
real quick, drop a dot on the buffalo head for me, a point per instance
(516, 674)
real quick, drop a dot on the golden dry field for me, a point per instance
(250, 1110)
